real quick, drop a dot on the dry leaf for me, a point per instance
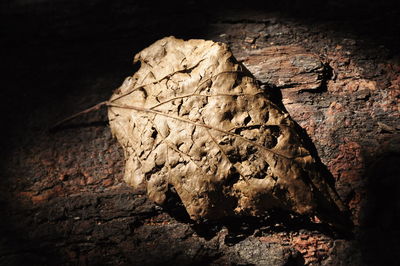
(192, 120)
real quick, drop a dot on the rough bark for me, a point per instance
(287, 67)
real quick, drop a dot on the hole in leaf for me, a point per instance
(227, 115)
(154, 134)
(247, 120)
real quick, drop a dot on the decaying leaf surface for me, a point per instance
(193, 121)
